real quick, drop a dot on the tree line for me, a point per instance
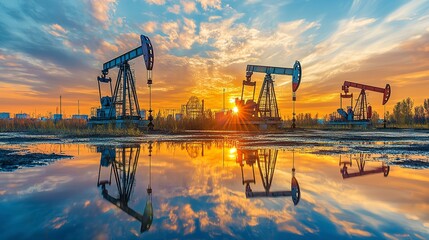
(406, 114)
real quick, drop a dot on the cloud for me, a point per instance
(189, 6)
(120, 21)
(149, 27)
(102, 9)
(206, 4)
(171, 29)
(86, 50)
(174, 9)
(156, 2)
(227, 46)
(56, 30)
(409, 11)
(108, 47)
(213, 18)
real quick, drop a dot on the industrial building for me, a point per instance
(80, 116)
(22, 116)
(4, 115)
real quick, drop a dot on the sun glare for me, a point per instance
(235, 109)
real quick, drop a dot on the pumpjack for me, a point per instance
(121, 105)
(266, 161)
(360, 162)
(122, 162)
(266, 112)
(362, 112)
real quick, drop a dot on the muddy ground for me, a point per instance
(11, 160)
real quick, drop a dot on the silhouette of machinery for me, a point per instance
(362, 111)
(360, 162)
(122, 162)
(266, 162)
(266, 109)
(123, 104)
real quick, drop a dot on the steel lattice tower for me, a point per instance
(267, 101)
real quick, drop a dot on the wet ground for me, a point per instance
(295, 185)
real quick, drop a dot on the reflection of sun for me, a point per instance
(232, 100)
(235, 109)
(232, 153)
(232, 150)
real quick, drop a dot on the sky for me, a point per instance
(53, 47)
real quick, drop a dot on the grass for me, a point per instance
(66, 128)
(78, 127)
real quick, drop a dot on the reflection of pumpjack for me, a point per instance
(266, 160)
(360, 162)
(123, 163)
(195, 149)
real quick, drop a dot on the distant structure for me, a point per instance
(193, 108)
(143, 114)
(4, 115)
(178, 116)
(80, 116)
(22, 116)
(58, 117)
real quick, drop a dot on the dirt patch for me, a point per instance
(17, 138)
(415, 164)
(11, 160)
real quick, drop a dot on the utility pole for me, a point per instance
(223, 109)
(61, 112)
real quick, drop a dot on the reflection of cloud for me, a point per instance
(224, 210)
(215, 197)
(49, 184)
(58, 222)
